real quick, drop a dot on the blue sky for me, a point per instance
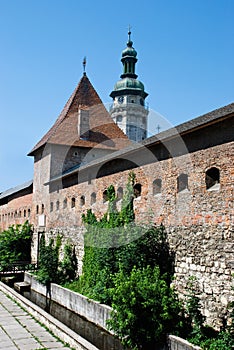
(185, 60)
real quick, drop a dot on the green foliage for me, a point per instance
(145, 308)
(127, 213)
(48, 260)
(68, 266)
(15, 244)
(129, 267)
(51, 269)
(193, 307)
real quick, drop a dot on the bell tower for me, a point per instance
(128, 109)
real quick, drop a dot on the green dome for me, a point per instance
(129, 51)
(129, 83)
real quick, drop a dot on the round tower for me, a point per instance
(128, 109)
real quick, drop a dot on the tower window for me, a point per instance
(213, 179)
(57, 205)
(119, 118)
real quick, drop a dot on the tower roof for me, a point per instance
(104, 132)
(129, 83)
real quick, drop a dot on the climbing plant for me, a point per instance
(51, 267)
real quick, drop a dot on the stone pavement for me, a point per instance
(20, 331)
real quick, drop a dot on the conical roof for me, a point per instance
(103, 133)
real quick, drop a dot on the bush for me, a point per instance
(145, 308)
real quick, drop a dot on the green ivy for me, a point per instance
(51, 269)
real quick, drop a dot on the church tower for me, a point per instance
(128, 109)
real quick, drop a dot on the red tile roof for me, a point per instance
(104, 133)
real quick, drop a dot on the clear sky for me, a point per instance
(185, 60)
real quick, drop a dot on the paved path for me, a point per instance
(20, 331)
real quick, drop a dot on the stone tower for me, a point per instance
(128, 109)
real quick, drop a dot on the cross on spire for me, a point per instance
(84, 65)
(129, 32)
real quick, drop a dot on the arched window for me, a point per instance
(57, 205)
(73, 202)
(82, 200)
(37, 209)
(213, 179)
(137, 190)
(182, 182)
(104, 196)
(93, 198)
(65, 203)
(42, 208)
(119, 193)
(24, 213)
(29, 212)
(157, 186)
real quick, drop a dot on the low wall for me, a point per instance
(177, 343)
(58, 328)
(90, 309)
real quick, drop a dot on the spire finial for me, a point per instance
(84, 65)
(129, 43)
(129, 32)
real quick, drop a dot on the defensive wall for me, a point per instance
(184, 180)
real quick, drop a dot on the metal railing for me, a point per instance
(17, 267)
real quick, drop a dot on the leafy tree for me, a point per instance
(145, 308)
(15, 244)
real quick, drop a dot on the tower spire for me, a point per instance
(84, 65)
(128, 109)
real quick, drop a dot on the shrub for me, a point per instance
(145, 308)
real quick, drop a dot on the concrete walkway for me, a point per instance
(20, 331)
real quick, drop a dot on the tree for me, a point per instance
(146, 309)
(15, 244)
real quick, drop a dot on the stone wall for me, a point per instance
(90, 309)
(199, 221)
(177, 343)
(206, 253)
